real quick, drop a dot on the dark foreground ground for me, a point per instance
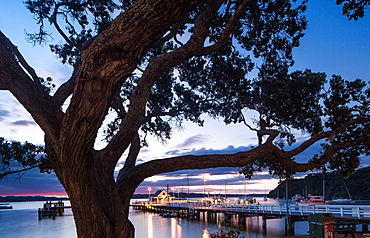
(335, 235)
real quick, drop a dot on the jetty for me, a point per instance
(346, 217)
(52, 209)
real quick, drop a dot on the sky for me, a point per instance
(332, 44)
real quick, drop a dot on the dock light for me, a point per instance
(149, 188)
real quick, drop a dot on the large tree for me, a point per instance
(163, 61)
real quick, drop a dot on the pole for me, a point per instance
(287, 209)
(245, 190)
(323, 183)
(149, 193)
(204, 188)
(188, 187)
(225, 190)
(344, 182)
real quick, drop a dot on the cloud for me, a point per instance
(23, 123)
(203, 151)
(216, 176)
(216, 179)
(3, 113)
(193, 140)
(32, 183)
(59, 73)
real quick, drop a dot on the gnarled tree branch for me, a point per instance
(28, 93)
(157, 66)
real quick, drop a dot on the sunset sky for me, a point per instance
(332, 45)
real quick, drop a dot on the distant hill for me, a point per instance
(358, 185)
(29, 198)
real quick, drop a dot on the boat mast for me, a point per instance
(323, 182)
(345, 185)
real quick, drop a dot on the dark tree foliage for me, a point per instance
(356, 186)
(85, 12)
(354, 9)
(216, 83)
(348, 101)
(340, 105)
(16, 158)
(269, 30)
(213, 84)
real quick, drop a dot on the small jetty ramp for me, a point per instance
(52, 209)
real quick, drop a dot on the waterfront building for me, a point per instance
(161, 196)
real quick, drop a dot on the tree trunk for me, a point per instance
(97, 206)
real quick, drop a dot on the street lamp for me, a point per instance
(204, 189)
(149, 188)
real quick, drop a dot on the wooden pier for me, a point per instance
(293, 213)
(52, 209)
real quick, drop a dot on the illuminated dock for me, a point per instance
(292, 212)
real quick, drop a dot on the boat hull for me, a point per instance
(6, 206)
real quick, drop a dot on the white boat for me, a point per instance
(341, 201)
(5, 206)
(297, 198)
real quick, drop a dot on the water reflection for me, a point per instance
(153, 226)
(150, 226)
(176, 228)
(205, 233)
(22, 222)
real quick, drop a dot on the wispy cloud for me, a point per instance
(31, 183)
(23, 123)
(3, 113)
(193, 140)
(204, 151)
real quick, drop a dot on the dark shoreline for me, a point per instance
(29, 198)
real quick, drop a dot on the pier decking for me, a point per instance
(348, 212)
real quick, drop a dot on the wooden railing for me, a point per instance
(339, 211)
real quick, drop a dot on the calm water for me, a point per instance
(22, 221)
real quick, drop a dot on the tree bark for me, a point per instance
(97, 207)
(87, 175)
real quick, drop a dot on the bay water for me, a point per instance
(22, 221)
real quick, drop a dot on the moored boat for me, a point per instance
(5, 206)
(341, 199)
(297, 198)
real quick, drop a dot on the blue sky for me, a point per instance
(332, 45)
